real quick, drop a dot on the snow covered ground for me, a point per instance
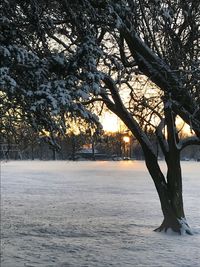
(98, 214)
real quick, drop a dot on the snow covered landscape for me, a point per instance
(61, 213)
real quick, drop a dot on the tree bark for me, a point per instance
(170, 195)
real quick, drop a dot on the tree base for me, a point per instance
(178, 226)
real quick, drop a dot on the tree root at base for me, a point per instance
(176, 227)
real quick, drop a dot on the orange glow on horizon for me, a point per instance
(110, 122)
(126, 139)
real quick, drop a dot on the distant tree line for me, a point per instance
(30, 145)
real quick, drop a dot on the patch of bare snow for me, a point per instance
(98, 214)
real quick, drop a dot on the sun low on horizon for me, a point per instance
(110, 122)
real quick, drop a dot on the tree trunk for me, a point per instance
(170, 189)
(174, 180)
(93, 148)
(32, 152)
(73, 147)
(170, 194)
(174, 217)
(54, 154)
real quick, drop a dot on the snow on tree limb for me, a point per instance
(86, 43)
(192, 140)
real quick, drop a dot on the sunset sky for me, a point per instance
(110, 122)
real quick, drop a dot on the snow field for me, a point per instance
(59, 214)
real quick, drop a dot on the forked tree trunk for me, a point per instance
(175, 219)
(170, 194)
(170, 189)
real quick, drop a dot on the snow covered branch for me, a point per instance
(193, 140)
